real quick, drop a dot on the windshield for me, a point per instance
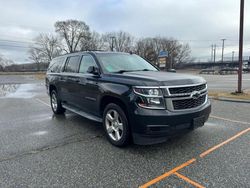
(118, 63)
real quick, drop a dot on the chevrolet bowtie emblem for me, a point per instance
(195, 94)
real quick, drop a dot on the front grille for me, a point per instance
(188, 103)
(187, 89)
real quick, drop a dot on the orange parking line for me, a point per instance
(159, 178)
(223, 143)
(189, 180)
(174, 171)
(225, 119)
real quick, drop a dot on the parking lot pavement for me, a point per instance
(228, 167)
(19, 79)
(226, 82)
(39, 149)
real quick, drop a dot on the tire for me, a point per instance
(115, 124)
(55, 103)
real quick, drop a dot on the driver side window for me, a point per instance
(86, 62)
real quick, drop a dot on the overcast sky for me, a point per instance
(200, 23)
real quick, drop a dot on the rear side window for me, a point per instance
(56, 65)
(72, 64)
(86, 62)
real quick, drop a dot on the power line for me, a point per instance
(16, 41)
(14, 46)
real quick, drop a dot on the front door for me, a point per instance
(87, 86)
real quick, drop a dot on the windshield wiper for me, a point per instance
(122, 71)
(144, 70)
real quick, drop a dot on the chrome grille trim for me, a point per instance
(168, 94)
(169, 98)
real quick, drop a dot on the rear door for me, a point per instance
(70, 79)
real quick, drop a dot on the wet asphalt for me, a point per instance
(38, 149)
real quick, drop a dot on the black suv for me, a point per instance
(131, 97)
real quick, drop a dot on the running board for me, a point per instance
(82, 113)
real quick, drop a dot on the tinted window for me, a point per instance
(86, 62)
(56, 64)
(72, 64)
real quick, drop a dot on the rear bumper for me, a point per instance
(156, 126)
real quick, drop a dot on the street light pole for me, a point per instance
(241, 46)
(112, 43)
(222, 53)
(232, 56)
(214, 52)
(212, 49)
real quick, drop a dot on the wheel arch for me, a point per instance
(107, 99)
(51, 88)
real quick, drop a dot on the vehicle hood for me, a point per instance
(158, 78)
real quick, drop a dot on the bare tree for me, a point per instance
(145, 48)
(93, 42)
(109, 41)
(184, 54)
(149, 48)
(45, 48)
(121, 41)
(124, 41)
(72, 32)
(4, 62)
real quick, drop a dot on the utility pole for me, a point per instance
(112, 43)
(222, 52)
(232, 56)
(241, 46)
(214, 52)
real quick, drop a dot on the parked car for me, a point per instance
(131, 97)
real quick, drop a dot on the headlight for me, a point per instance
(148, 92)
(149, 97)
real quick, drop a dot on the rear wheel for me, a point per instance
(55, 103)
(116, 126)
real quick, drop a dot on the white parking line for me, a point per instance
(225, 119)
(39, 100)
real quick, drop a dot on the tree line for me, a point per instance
(4, 62)
(74, 35)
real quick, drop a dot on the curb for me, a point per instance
(229, 99)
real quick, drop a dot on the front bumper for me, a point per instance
(156, 126)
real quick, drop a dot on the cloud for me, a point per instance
(200, 23)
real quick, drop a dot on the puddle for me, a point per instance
(18, 90)
(6, 89)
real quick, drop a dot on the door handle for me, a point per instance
(62, 79)
(73, 79)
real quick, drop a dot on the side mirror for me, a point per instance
(171, 70)
(93, 70)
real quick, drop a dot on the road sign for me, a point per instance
(163, 54)
(162, 62)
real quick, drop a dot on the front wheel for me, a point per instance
(116, 126)
(55, 103)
